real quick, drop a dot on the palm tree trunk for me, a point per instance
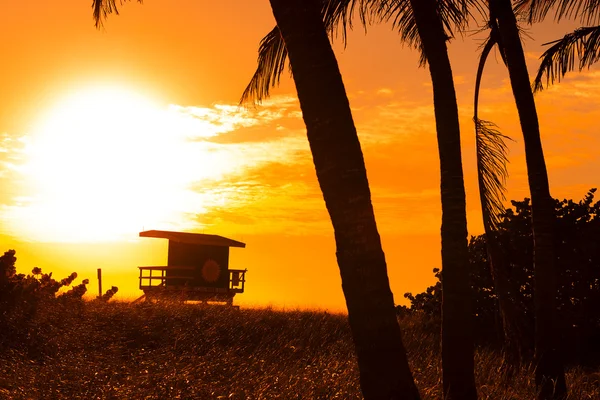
(457, 339)
(339, 163)
(511, 311)
(549, 375)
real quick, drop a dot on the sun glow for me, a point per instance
(105, 163)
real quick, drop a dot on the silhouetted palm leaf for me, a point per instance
(580, 49)
(492, 170)
(272, 56)
(454, 15)
(492, 151)
(103, 8)
(339, 14)
(588, 11)
(403, 21)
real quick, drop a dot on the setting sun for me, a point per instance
(105, 162)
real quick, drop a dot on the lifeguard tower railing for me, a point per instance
(156, 277)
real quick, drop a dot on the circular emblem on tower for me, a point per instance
(211, 271)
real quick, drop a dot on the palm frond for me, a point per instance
(338, 14)
(591, 51)
(587, 11)
(399, 13)
(533, 10)
(103, 8)
(492, 171)
(272, 56)
(492, 159)
(454, 15)
(580, 49)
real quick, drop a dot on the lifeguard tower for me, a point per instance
(197, 269)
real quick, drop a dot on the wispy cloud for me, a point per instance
(158, 169)
(385, 91)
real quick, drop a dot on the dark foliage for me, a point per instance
(109, 294)
(578, 260)
(22, 296)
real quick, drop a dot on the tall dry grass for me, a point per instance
(162, 351)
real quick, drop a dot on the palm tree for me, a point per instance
(340, 168)
(422, 24)
(549, 373)
(457, 341)
(341, 172)
(492, 172)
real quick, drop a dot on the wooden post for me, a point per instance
(99, 283)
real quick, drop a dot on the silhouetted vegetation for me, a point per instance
(578, 258)
(17, 290)
(23, 297)
(109, 294)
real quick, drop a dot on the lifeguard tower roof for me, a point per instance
(193, 238)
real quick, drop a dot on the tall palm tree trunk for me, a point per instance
(549, 375)
(491, 174)
(338, 159)
(457, 339)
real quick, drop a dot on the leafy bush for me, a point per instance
(577, 236)
(38, 286)
(22, 296)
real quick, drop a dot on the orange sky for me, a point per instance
(190, 159)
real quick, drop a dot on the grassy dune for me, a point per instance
(122, 351)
